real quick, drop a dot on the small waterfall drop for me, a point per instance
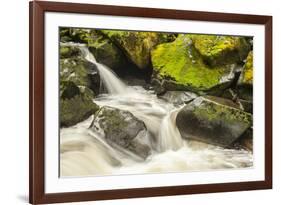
(109, 79)
(169, 135)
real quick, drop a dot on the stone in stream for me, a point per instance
(123, 129)
(178, 97)
(213, 120)
(76, 104)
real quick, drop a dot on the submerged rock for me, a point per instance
(221, 50)
(123, 129)
(213, 120)
(179, 66)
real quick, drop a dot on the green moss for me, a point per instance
(136, 45)
(248, 70)
(113, 121)
(69, 51)
(219, 50)
(76, 109)
(180, 62)
(213, 111)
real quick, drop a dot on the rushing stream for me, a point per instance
(85, 153)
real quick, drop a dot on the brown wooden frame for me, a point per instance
(36, 106)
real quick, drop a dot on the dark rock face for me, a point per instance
(122, 128)
(213, 120)
(245, 141)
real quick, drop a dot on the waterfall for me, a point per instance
(109, 79)
(169, 135)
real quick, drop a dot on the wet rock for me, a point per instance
(178, 97)
(213, 120)
(76, 104)
(245, 141)
(123, 129)
(179, 66)
(81, 72)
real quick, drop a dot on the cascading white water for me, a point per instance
(112, 83)
(84, 153)
(169, 135)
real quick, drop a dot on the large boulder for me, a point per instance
(220, 50)
(123, 129)
(76, 104)
(213, 120)
(179, 66)
(137, 45)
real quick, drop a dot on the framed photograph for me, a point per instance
(139, 102)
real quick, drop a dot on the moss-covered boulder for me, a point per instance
(245, 83)
(221, 50)
(137, 45)
(179, 66)
(79, 71)
(213, 120)
(122, 128)
(78, 35)
(76, 104)
(69, 51)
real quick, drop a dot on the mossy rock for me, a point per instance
(247, 73)
(106, 52)
(69, 51)
(122, 128)
(78, 35)
(221, 50)
(80, 72)
(179, 66)
(213, 120)
(245, 83)
(76, 107)
(137, 45)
